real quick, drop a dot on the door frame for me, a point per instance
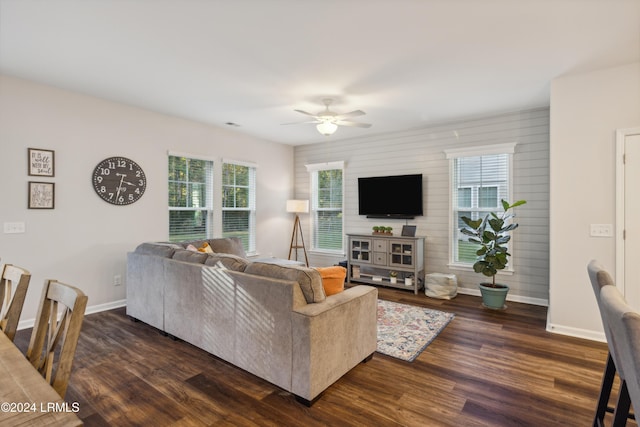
(621, 136)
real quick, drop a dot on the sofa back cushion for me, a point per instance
(164, 250)
(190, 256)
(308, 278)
(231, 262)
(226, 245)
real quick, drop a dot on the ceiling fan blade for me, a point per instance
(354, 124)
(304, 112)
(301, 123)
(354, 113)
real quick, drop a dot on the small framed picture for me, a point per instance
(409, 230)
(41, 162)
(41, 195)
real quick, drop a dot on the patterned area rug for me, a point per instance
(404, 331)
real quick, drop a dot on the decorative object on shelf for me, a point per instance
(393, 276)
(119, 181)
(41, 162)
(408, 230)
(41, 195)
(408, 281)
(297, 207)
(380, 229)
(492, 233)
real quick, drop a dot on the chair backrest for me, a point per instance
(56, 332)
(14, 283)
(624, 326)
(599, 279)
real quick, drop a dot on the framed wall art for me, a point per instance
(41, 195)
(41, 162)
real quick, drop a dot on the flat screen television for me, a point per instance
(398, 196)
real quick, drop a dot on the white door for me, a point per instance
(631, 221)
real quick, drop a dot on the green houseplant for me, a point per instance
(492, 233)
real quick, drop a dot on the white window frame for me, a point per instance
(313, 169)
(476, 151)
(253, 168)
(209, 194)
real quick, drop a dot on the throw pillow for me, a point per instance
(192, 248)
(205, 248)
(332, 279)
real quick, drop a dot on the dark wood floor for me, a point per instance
(487, 368)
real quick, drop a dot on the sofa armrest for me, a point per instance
(332, 337)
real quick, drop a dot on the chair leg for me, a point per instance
(621, 413)
(605, 392)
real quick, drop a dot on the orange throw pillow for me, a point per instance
(332, 279)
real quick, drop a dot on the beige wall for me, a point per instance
(83, 241)
(586, 110)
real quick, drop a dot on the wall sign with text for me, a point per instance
(41, 162)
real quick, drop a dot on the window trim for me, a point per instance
(313, 169)
(476, 151)
(253, 180)
(210, 207)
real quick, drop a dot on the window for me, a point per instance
(190, 198)
(326, 206)
(480, 179)
(238, 203)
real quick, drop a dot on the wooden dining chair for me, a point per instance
(624, 327)
(14, 283)
(56, 332)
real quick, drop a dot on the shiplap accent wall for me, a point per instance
(422, 151)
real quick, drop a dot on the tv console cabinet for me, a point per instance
(373, 256)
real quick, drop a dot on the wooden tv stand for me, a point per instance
(373, 256)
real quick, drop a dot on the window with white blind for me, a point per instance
(190, 198)
(480, 179)
(326, 207)
(239, 203)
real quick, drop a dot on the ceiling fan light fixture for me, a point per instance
(327, 128)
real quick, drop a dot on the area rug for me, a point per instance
(404, 331)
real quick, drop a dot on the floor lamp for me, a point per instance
(297, 206)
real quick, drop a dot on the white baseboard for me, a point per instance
(514, 298)
(576, 332)
(25, 324)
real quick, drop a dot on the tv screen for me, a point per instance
(398, 196)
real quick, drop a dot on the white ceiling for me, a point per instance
(406, 63)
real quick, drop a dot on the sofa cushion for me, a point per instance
(189, 256)
(226, 245)
(332, 279)
(308, 278)
(229, 261)
(165, 250)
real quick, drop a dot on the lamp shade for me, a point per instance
(327, 128)
(298, 206)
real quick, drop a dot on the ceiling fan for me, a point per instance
(327, 121)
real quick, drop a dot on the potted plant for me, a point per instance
(388, 230)
(376, 229)
(492, 233)
(393, 276)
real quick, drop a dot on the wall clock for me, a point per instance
(119, 181)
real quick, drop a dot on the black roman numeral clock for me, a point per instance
(119, 181)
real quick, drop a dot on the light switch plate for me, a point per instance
(13, 227)
(602, 230)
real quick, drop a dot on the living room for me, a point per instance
(565, 154)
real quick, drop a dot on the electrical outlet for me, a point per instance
(601, 230)
(13, 227)
(117, 280)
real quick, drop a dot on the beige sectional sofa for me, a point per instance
(271, 320)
